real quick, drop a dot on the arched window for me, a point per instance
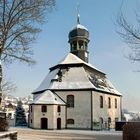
(70, 101)
(59, 108)
(115, 103)
(101, 120)
(101, 101)
(109, 102)
(44, 108)
(70, 121)
(109, 120)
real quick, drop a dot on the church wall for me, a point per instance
(31, 118)
(105, 112)
(60, 115)
(51, 115)
(81, 113)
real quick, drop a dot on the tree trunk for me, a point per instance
(0, 82)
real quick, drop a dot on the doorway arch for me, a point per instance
(58, 123)
(44, 123)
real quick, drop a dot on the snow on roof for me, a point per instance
(71, 79)
(101, 83)
(73, 59)
(47, 81)
(48, 97)
(79, 26)
(75, 78)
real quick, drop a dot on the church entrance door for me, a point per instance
(59, 123)
(44, 123)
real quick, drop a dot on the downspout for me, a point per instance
(91, 111)
(120, 108)
(66, 116)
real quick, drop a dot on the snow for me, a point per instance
(73, 59)
(102, 84)
(47, 81)
(75, 77)
(128, 117)
(79, 26)
(48, 97)
(71, 79)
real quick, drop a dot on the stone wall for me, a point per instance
(10, 135)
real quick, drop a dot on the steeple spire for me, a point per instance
(78, 18)
(78, 15)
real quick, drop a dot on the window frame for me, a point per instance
(101, 102)
(70, 101)
(70, 121)
(116, 106)
(43, 108)
(58, 108)
(109, 102)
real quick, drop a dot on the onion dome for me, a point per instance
(79, 31)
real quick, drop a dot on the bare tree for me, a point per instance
(130, 33)
(8, 87)
(19, 25)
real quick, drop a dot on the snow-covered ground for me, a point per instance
(89, 132)
(32, 134)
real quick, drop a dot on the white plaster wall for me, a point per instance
(81, 113)
(59, 115)
(106, 112)
(51, 115)
(31, 117)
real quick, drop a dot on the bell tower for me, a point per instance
(79, 39)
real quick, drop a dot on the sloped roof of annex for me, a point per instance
(48, 98)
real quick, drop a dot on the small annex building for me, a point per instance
(75, 94)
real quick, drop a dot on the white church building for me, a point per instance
(75, 94)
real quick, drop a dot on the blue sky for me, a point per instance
(106, 49)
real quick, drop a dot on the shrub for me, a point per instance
(3, 125)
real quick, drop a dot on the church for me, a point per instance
(75, 94)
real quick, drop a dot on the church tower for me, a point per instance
(79, 39)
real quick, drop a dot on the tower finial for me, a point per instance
(78, 15)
